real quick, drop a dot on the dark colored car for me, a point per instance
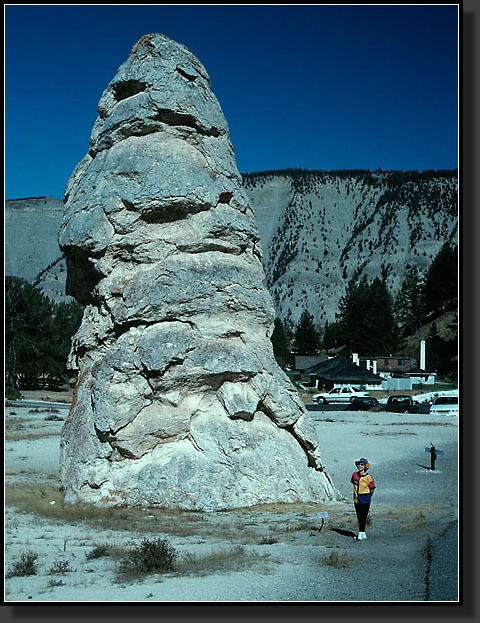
(401, 404)
(363, 404)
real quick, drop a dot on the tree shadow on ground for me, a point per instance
(425, 467)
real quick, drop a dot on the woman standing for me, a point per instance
(363, 487)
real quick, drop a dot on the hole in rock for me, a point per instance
(170, 213)
(81, 276)
(185, 74)
(170, 117)
(128, 88)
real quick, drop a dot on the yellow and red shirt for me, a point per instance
(363, 487)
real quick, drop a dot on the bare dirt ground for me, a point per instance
(274, 553)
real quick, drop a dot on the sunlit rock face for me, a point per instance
(179, 401)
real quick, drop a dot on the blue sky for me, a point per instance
(309, 86)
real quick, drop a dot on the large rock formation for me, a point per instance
(179, 402)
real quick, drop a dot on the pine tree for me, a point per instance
(409, 302)
(441, 283)
(351, 316)
(38, 333)
(366, 320)
(280, 343)
(28, 331)
(331, 336)
(441, 354)
(306, 340)
(384, 334)
(434, 348)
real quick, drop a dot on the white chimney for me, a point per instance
(422, 355)
(355, 358)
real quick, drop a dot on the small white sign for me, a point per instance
(323, 515)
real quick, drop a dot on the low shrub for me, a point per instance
(27, 565)
(60, 567)
(54, 582)
(267, 540)
(98, 552)
(156, 556)
(54, 418)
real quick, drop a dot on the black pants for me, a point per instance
(362, 512)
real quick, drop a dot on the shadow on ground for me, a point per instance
(348, 533)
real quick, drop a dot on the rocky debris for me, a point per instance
(179, 402)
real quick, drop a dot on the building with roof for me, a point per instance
(341, 370)
(387, 363)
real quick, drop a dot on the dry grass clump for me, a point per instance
(17, 424)
(99, 551)
(388, 434)
(414, 521)
(158, 556)
(420, 424)
(336, 559)
(300, 526)
(53, 582)
(47, 500)
(217, 560)
(38, 499)
(35, 498)
(15, 430)
(267, 540)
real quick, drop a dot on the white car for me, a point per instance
(339, 394)
(444, 405)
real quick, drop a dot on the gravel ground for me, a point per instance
(275, 553)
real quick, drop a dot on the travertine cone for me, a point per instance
(179, 402)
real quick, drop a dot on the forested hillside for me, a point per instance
(319, 230)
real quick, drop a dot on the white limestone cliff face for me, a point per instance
(320, 230)
(317, 230)
(179, 402)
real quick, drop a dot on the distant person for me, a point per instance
(363, 487)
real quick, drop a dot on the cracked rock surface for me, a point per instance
(179, 401)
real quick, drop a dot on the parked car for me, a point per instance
(364, 404)
(445, 405)
(339, 394)
(401, 404)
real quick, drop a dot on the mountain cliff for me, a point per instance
(317, 229)
(320, 229)
(31, 246)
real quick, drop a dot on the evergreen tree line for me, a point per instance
(370, 321)
(38, 333)
(394, 178)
